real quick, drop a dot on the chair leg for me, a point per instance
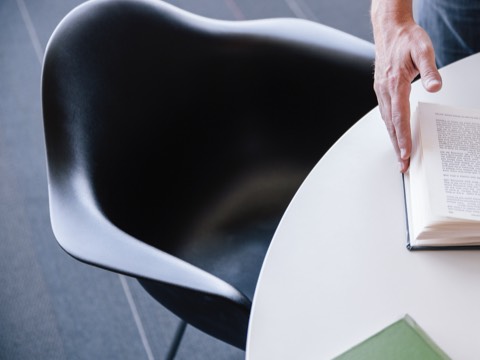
(176, 340)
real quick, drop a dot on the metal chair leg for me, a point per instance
(176, 340)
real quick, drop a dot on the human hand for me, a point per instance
(403, 51)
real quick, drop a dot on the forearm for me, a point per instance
(392, 24)
(390, 12)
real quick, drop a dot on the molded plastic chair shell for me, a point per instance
(175, 143)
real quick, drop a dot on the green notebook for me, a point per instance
(402, 340)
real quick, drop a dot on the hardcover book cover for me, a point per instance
(402, 340)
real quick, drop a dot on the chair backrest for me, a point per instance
(163, 127)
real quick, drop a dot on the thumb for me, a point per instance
(431, 79)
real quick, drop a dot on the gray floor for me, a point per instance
(51, 306)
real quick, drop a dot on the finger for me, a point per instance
(424, 60)
(401, 120)
(404, 164)
(384, 104)
(431, 80)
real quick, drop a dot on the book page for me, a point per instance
(451, 157)
(417, 215)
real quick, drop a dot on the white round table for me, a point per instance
(338, 270)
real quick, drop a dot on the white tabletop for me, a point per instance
(338, 270)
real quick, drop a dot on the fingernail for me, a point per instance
(403, 153)
(433, 82)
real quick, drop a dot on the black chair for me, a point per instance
(175, 143)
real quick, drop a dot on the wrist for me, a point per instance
(393, 13)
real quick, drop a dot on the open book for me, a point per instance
(442, 185)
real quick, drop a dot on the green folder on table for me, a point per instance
(402, 340)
